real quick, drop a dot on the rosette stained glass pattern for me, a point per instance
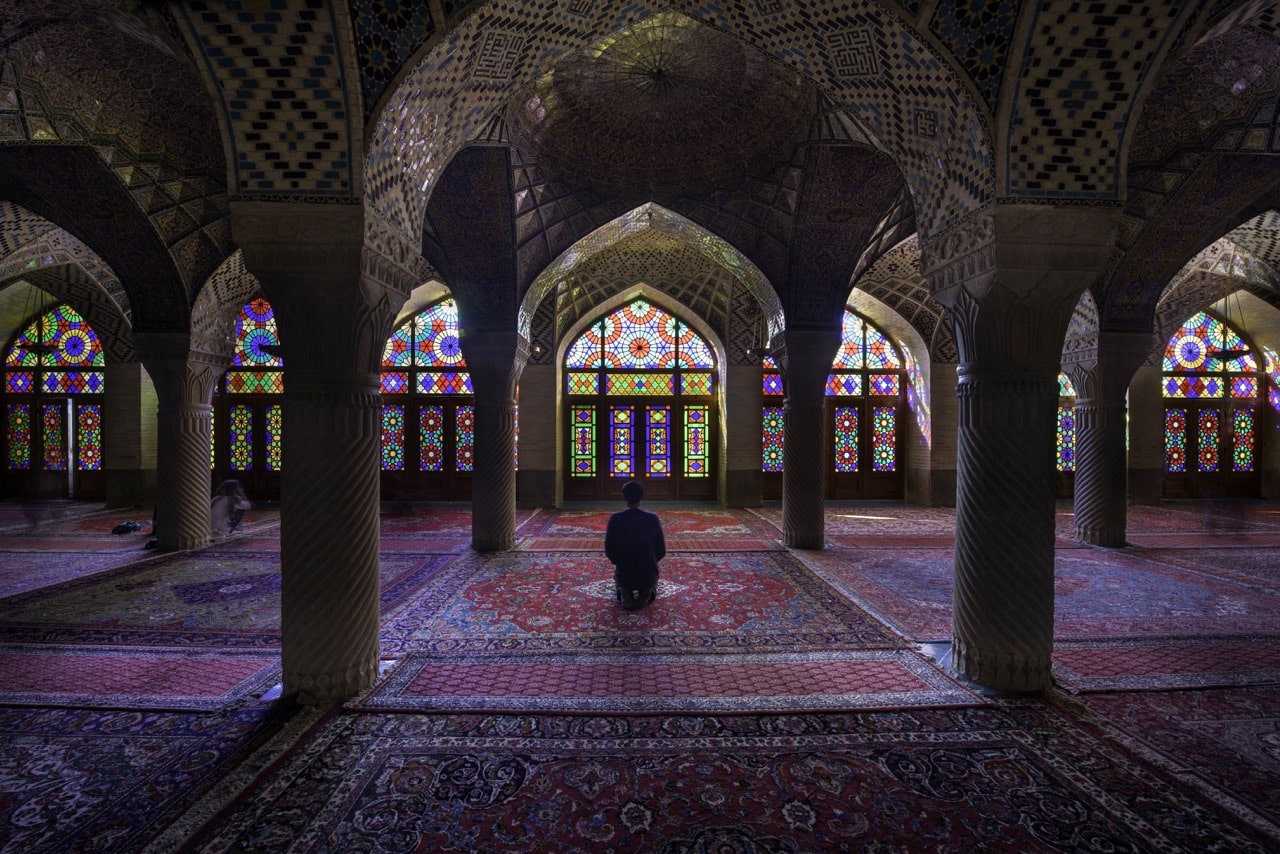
(1242, 440)
(18, 436)
(274, 428)
(240, 426)
(393, 438)
(1066, 438)
(1207, 440)
(59, 338)
(1065, 387)
(1197, 344)
(846, 439)
(257, 342)
(771, 439)
(639, 336)
(431, 438)
(89, 437)
(54, 434)
(1175, 440)
(884, 438)
(464, 436)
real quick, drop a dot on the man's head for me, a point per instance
(632, 492)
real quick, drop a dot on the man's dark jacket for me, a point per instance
(633, 543)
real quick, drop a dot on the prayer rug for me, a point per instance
(1224, 741)
(644, 684)
(93, 780)
(132, 678)
(204, 598)
(1007, 777)
(1136, 665)
(676, 522)
(565, 602)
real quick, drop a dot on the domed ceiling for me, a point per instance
(668, 106)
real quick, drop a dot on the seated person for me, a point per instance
(634, 544)
(227, 508)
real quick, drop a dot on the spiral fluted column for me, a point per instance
(183, 370)
(1003, 599)
(329, 498)
(805, 356)
(496, 360)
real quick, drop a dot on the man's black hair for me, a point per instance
(633, 491)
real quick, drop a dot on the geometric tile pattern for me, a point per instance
(895, 280)
(387, 34)
(979, 35)
(218, 304)
(281, 84)
(1066, 128)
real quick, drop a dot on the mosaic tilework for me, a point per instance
(746, 327)
(283, 87)
(950, 174)
(1260, 238)
(19, 227)
(895, 280)
(218, 304)
(979, 34)
(1073, 103)
(387, 34)
(1084, 325)
(543, 331)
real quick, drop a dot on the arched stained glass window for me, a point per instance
(640, 385)
(425, 354)
(1066, 449)
(256, 363)
(53, 383)
(1213, 387)
(246, 437)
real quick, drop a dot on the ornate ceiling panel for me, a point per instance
(895, 280)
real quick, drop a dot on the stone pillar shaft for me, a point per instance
(1100, 502)
(496, 360)
(805, 358)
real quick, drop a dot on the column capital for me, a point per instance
(1101, 367)
(183, 366)
(805, 357)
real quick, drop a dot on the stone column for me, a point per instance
(1010, 278)
(1146, 436)
(744, 403)
(805, 357)
(495, 360)
(129, 446)
(1101, 375)
(184, 369)
(335, 279)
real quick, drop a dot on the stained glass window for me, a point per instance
(54, 433)
(621, 441)
(431, 437)
(696, 448)
(1202, 359)
(846, 436)
(1175, 440)
(392, 438)
(240, 427)
(1242, 440)
(583, 455)
(256, 363)
(275, 416)
(59, 338)
(771, 439)
(89, 436)
(1207, 440)
(1066, 438)
(464, 438)
(639, 336)
(884, 438)
(18, 429)
(658, 440)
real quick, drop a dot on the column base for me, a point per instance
(1108, 537)
(495, 544)
(323, 689)
(803, 541)
(1002, 671)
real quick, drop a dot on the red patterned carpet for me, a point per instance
(1117, 665)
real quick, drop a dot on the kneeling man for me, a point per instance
(633, 543)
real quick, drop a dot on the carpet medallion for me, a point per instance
(515, 601)
(631, 684)
(132, 678)
(1008, 779)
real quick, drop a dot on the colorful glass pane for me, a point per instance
(74, 382)
(844, 385)
(19, 382)
(621, 441)
(880, 354)
(274, 415)
(1207, 440)
(395, 382)
(464, 438)
(1273, 377)
(18, 436)
(1194, 347)
(632, 384)
(54, 436)
(240, 428)
(884, 438)
(1243, 387)
(585, 352)
(692, 350)
(850, 354)
(1175, 440)
(639, 336)
(846, 439)
(771, 439)
(1066, 438)
(255, 382)
(437, 340)
(89, 437)
(696, 446)
(769, 364)
(444, 382)
(65, 341)
(398, 352)
(581, 382)
(773, 384)
(885, 384)
(393, 438)
(256, 337)
(1242, 440)
(431, 438)
(583, 453)
(1065, 387)
(657, 428)
(1206, 386)
(698, 383)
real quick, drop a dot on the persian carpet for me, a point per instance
(23, 571)
(676, 522)
(564, 602)
(132, 678)
(643, 684)
(1009, 777)
(1227, 740)
(92, 780)
(203, 598)
(1161, 664)
(675, 543)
